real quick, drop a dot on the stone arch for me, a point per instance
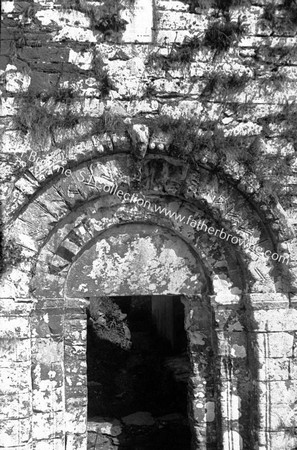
(219, 202)
(64, 217)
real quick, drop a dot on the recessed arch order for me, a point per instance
(84, 238)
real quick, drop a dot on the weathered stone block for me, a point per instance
(273, 345)
(16, 377)
(48, 285)
(168, 20)
(14, 328)
(274, 320)
(278, 440)
(280, 393)
(78, 380)
(15, 432)
(74, 34)
(72, 326)
(77, 369)
(293, 368)
(35, 215)
(232, 344)
(78, 338)
(8, 107)
(52, 201)
(75, 392)
(10, 308)
(280, 417)
(16, 82)
(139, 18)
(14, 141)
(47, 376)
(171, 5)
(16, 405)
(50, 444)
(13, 350)
(49, 400)
(75, 352)
(125, 76)
(27, 446)
(230, 400)
(40, 327)
(48, 425)
(113, 427)
(234, 437)
(50, 16)
(269, 301)
(97, 439)
(274, 369)
(46, 351)
(42, 81)
(76, 441)
(76, 421)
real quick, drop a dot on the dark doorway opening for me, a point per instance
(138, 371)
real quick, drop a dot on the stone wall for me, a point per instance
(190, 107)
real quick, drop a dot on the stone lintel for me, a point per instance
(16, 306)
(267, 300)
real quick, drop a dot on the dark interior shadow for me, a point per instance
(149, 377)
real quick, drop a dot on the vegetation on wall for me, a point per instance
(284, 22)
(285, 120)
(107, 322)
(219, 36)
(189, 139)
(222, 5)
(225, 84)
(105, 17)
(10, 254)
(110, 123)
(240, 158)
(291, 8)
(102, 76)
(178, 55)
(40, 116)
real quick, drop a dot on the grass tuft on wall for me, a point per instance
(219, 36)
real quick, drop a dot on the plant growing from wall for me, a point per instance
(26, 11)
(281, 24)
(64, 95)
(107, 322)
(102, 76)
(219, 36)
(105, 17)
(286, 119)
(40, 118)
(291, 9)
(278, 55)
(222, 5)
(10, 254)
(226, 84)
(110, 124)
(240, 158)
(269, 12)
(179, 54)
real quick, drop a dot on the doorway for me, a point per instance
(138, 371)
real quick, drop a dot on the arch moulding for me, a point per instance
(82, 239)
